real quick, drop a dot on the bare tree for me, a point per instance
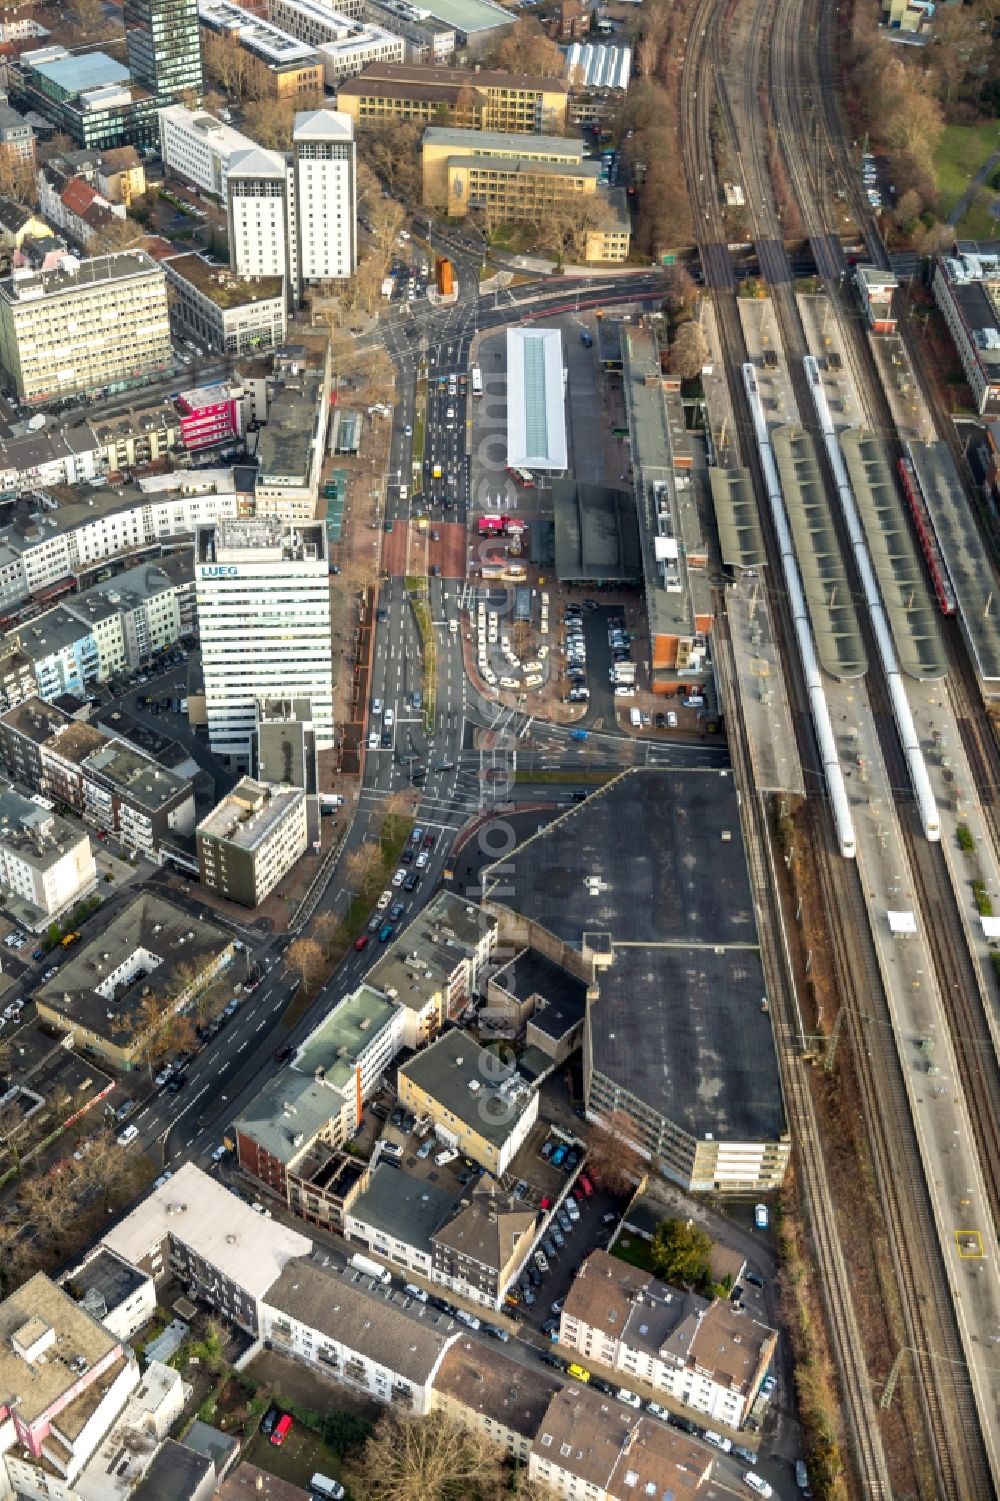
(306, 958)
(688, 352)
(526, 49)
(428, 1459)
(360, 863)
(680, 289)
(227, 62)
(612, 1160)
(117, 234)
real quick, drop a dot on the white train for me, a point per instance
(829, 758)
(926, 801)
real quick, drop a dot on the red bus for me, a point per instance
(491, 526)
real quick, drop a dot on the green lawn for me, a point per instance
(960, 153)
(978, 223)
(634, 1250)
(297, 1459)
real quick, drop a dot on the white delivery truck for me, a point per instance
(370, 1268)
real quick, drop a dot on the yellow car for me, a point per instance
(578, 1372)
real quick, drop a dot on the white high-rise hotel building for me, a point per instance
(296, 216)
(263, 591)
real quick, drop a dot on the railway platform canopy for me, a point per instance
(899, 568)
(969, 566)
(536, 400)
(824, 575)
(738, 518)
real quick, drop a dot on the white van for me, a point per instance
(444, 1157)
(392, 1150)
(413, 1291)
(453, 627)
(635, 718)
(322, 1485)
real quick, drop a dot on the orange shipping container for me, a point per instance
(445, 277)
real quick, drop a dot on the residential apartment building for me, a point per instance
(195, 1229)
(517, 177)
(501, 1398)
(120, 1296)
(197, 148)
(588, 1447)
(251, 839)
(325, 195)
(164, 46)
(226, 313)
(17, 675)
(296, 216)
(967, 290)
(425, 38)
(118, 990)
(345, 44)
(265, 582)
(75, 206)
(110, 782)
(709, 1355)
(18, 223)
(138, 613)
(47, 549)
(45, 864)
(435, 964)
(484, 1246)
(88, 95)
(263, 237)
(17, 139)
(476, 99)
(477, 1103)
(63, 652)
(64, 1378)
(89, 327)
(349, 1329)
(281, 66)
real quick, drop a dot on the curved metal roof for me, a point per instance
(824, 576)
(902, 577)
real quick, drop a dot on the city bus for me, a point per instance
(491, 526)
(477, 381)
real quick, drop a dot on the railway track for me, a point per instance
(948, 1406)
(860, 1418)
(859, 1411)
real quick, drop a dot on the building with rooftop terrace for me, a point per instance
(290, 448)
(477, 1102)
(263, 581)
(89, 96)
(643, 890)
(118, 989)
(281, 67)
(251, 839)
(317, 1102)
(121, 790)
(114, 1292)
(64, 1380)
(432, 968)
(707, 1354)
(194, 1228)
(46, 865)
(93, 327)
(227, 313)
